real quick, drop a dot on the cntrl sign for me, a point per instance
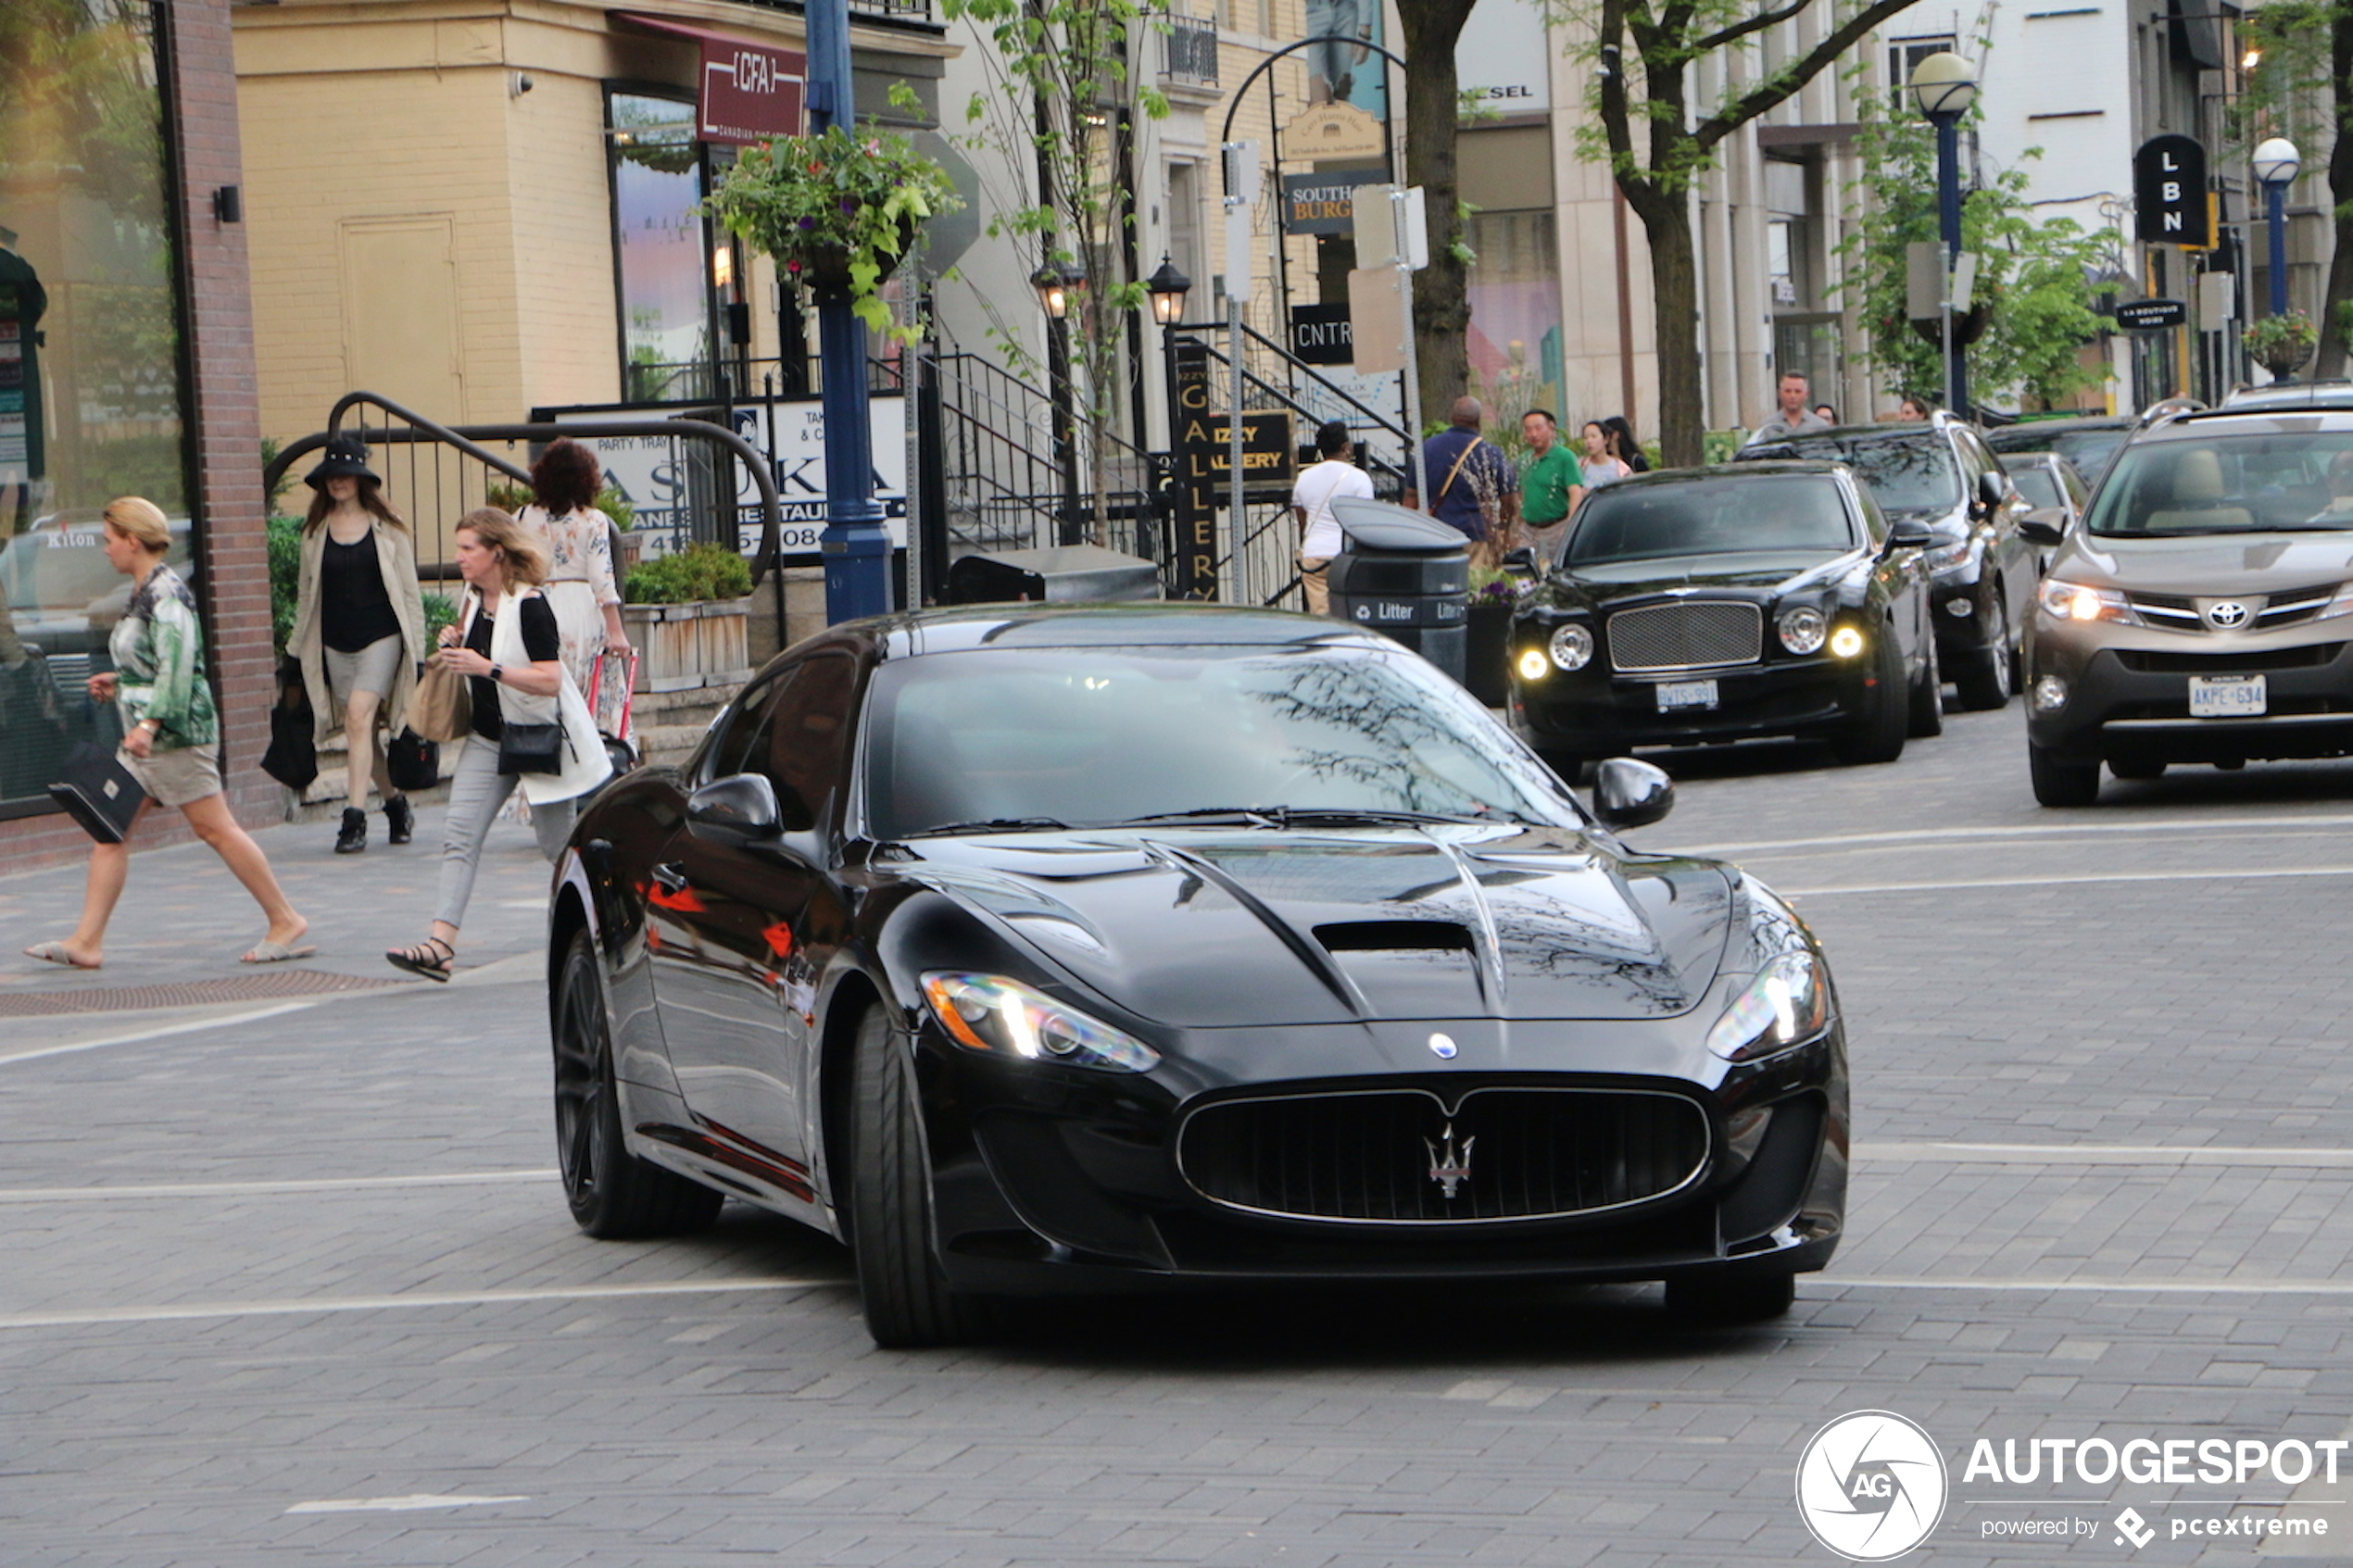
(2169, 192)
(1319, 334)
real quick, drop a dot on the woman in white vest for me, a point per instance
(506, 642)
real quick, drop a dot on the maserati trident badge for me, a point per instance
(1443, 1047)
(1449, 1168)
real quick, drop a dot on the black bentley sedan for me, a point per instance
(1718, 603)
(1940, 477)
(1031, 950)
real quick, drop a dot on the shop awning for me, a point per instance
(748, 89)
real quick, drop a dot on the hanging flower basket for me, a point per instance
(836, 210)
(2282, 343)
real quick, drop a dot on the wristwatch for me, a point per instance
(494, 673)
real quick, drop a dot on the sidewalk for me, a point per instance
(171, 953)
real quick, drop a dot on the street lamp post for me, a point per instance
(1168, 287)
(1945, 85)
(856, 542)
(1056, 286)
(2276, 163)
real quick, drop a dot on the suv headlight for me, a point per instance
(1804, 630)
(1939, 557)
(1572, 647)
(2075, 601)
(1787, 1003)
(2341, 605)
(1004, 1018)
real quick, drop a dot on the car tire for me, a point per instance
(2137, 771)
(1985, 685)
(1927, 698)
(1878, 736)
(2061, 784)
(907, 1303)
(615, 1195)
(1697, 1301)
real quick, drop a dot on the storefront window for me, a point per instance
(660, 243)
(90, 398)
(1516, 314)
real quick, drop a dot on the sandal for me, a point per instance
(423, 959)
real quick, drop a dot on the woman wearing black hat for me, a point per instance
(360, 627)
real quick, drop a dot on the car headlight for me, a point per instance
(1939, 557)
(1846, 642)
(2075, 601)
(1572, 647)
(1532, 664)
(1804, 629)
(1787, 1003)
(2341, 605)
(1004, 1018)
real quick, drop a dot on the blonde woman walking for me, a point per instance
(170, 743)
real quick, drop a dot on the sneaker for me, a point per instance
(400, 822)
(353, 839)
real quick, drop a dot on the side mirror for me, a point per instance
(738, 809)
(1521, 562)
(2044, 527)
(1913, 535)
(1628, 794)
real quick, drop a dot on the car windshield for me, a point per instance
(1735, 514)
(2039, 485)
(1907, 473)
(2229, 484)
(1098, 735)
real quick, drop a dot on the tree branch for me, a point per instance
(1756, 23)
(1782, 84)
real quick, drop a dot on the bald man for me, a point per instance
(1473, 487)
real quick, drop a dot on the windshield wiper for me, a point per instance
(1393, 814)
(1259, 816)
(992, 825)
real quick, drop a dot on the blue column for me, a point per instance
(855, 544)
(1948, 223)
(2276, 200)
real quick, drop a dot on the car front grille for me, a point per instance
(2169, 611)
(2254, 662)
(2293, 608)
(1694, 634)
(1385, 1157)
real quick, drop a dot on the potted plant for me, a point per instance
(1494, 598)
(836, 209)
(2281, 343)
(688, 618)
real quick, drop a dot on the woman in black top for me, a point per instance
(358, 630)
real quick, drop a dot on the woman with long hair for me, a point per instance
(358, 629)
(1622, 444)
(170, 743)
(580, 584)
(506, 643)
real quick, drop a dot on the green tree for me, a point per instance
(1433, 110)
(2034, 275)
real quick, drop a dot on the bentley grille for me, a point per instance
(1394, 1156)
(1695, 634)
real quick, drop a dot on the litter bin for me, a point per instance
(1406, 574)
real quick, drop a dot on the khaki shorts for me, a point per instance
(1317, 583)
(178, 776)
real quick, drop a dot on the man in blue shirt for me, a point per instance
(1473, 487)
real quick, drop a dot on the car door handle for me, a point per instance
(670, 876)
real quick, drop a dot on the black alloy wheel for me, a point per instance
(1985, 685)
(1928, 697)
(907, 1303)
(1878, 736)
(1697, 1301)
(614, 1195)
(2061, 784)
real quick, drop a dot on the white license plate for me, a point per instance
(2227, 696)
(1693, 693)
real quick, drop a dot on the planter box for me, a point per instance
(1487, 669)
(681, 647)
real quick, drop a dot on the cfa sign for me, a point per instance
(2169, 193)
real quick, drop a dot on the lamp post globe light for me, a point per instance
(1944, 85)
(2276, 165)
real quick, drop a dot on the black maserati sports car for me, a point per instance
(1031, 950)
(1716, 604)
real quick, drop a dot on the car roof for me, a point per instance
(1745, 468)
(2207, 423)
(2294, 394)
(1142, 624)
(2036, 429)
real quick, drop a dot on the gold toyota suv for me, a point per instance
(2202, 610)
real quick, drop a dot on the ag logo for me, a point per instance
(1870, 1486)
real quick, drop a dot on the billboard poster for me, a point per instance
(1347, 73)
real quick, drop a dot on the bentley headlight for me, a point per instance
(1787, 1003)
(1846, 642)
(2074, 601)
(1804, 629)
(1572, 647)
(1004, 1018)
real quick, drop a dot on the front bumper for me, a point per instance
(1597, 712)
(2127, 693)
(1062, 1180)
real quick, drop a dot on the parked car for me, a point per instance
(2291, 395)
(2198, 615)
(1940, 476)
(1030, 948)
(2087, 441)
(2051, 488)
(1707, 605)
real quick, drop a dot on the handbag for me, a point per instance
(619, 749)
(531, 748)
(412, 761)
(442, 708)
(292, 757)
(98, 792)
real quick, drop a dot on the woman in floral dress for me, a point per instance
(580, 584)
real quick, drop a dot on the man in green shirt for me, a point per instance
(1550, 487)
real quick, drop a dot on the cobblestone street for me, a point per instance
(290, 1276)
